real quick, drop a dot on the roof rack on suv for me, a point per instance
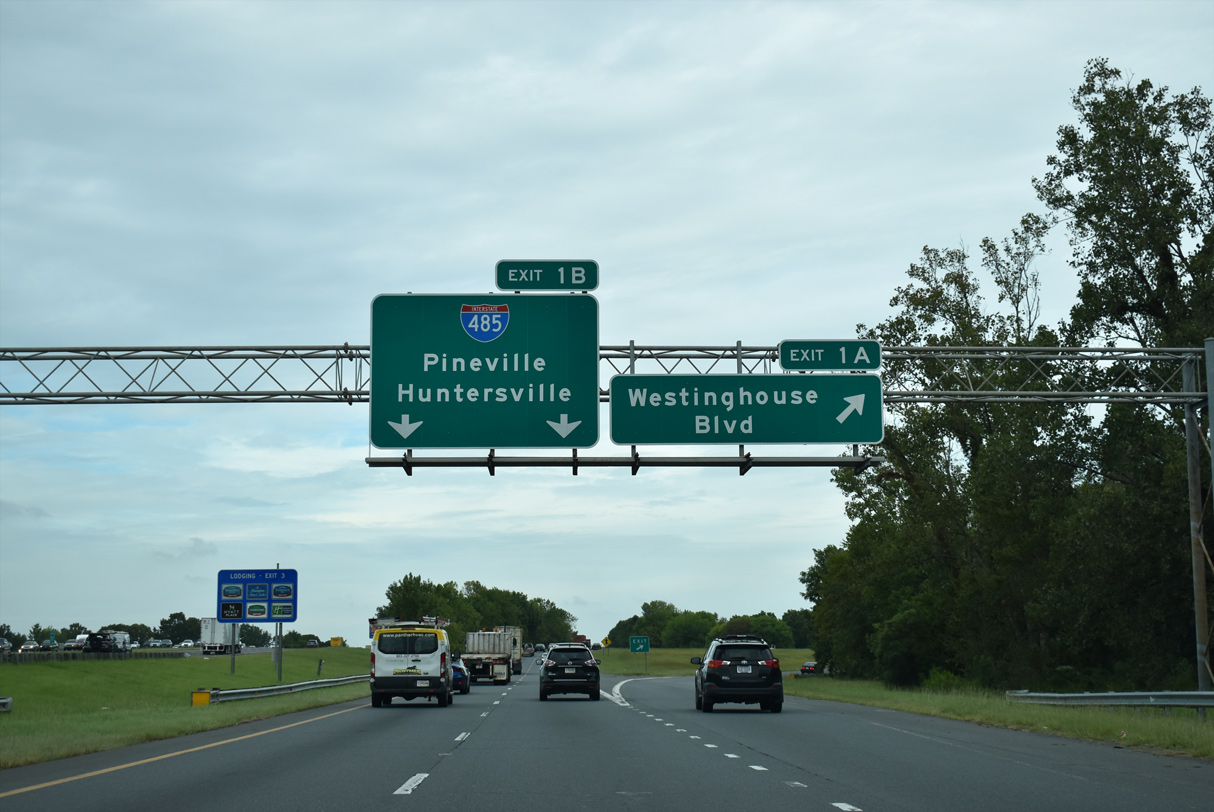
(390, 622)
(743, 637)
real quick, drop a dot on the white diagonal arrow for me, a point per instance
(564, 427)
(404, 427)
(855, 404)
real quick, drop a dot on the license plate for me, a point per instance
(743, 669)
(570, 670)
(423, 683)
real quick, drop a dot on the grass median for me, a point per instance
(1179, 731)
(72, 707)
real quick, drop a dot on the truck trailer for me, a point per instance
(516, 647)
(217, 638)
(488, 656)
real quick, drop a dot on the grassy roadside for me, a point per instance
(68, 708)
(1180, 732)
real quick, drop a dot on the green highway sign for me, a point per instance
(478, 370)
(706, 409)
(547, 274)
(828, 354)
(638, 644)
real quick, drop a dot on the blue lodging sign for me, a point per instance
(257, 596)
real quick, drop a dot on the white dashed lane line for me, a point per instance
(412, 784)
(619, 700)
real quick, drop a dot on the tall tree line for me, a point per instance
(1038, 545)
(475, 606)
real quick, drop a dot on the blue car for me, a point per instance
(460, 682)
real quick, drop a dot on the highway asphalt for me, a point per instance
(642, 746)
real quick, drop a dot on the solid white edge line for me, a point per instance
(461, 737)
(847, 807)
(412, 784)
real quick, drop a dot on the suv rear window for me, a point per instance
(408, 642)
(735, 652)
(568, 655)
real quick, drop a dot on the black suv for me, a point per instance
(739, 668)
(569, 668)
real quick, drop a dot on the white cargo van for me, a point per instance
(410, 660)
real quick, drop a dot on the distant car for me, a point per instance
(540, 647)
(6, 645)
(48, 645)
(135, 644)
(809, 669)
(186, 644)
(460, 681)
(569, 669)
(313, 644)
(28, 647)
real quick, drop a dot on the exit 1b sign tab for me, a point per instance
(830, 355)
(547, 274)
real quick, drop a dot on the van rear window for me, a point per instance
(408, 642)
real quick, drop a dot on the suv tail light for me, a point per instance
(714, 663)
(591, 663)
(772, 664)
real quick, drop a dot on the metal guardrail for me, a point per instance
(277, 690)
(1141, 699)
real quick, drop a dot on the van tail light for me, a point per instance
(714, 663)
(372, 661)
(772, 664)
(442, 661)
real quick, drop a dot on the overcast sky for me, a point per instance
(250, 173)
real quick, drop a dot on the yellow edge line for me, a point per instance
(171, 755)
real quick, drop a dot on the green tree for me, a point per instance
(414, 597)
(8, 634)
(1135, 182)
(654, 617)
(178, 627)
(1028, 545)
(772, 629)
(253, 635)
(688, 629)
(801, 623)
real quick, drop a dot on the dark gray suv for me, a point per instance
(739, 668)
(569, 668)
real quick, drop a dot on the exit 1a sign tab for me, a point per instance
(824, 355)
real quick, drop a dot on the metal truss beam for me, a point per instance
(342, 373)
